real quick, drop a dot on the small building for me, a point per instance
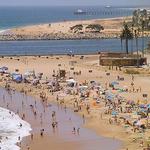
(121, 59)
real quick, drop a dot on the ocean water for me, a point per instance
(65, 46)
(10, 129)
(20, 16)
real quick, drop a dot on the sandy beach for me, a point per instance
(69, 30)
(62, 30)
(83, 71)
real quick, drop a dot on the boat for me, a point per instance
(80, 12)
(107, 6)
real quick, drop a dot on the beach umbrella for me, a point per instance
(2, 71)
(142, 110)
(71, 81)
(17, 77)
(142, 106)
(109, 98)
(114, 83)
(131, 102)
(29, 73)
(114, 113)
(148, 106)
(141, 122)
(4, 68)
(83, 88)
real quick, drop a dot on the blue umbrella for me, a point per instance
(114, 113)
(142, 110)
(4, 68)
(17, 77)
(114, 83)
(142, 106)
(148, 105)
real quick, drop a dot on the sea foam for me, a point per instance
(2, 31)
(11, 128)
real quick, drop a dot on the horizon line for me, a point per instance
(73, 5)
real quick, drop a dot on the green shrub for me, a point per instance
(95, 27)
(77, 27)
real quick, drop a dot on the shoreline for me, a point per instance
(61, 30)
(18, 132)
(27, 142)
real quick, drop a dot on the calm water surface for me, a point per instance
(64, 46)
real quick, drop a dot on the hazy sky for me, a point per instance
(74, 2)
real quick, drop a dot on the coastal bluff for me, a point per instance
(110, 28)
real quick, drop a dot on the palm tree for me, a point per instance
(126, 35)
(121, 43)
(137, 50)
(143, 26)
(132, 28)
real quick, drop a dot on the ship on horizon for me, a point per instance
(107, 6)
(80, 12)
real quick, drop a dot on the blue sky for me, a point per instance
(75, 2)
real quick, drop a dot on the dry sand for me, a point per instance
(61, 30)
(90, 62)
(110, 25)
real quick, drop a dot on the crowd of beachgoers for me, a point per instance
(92, 99)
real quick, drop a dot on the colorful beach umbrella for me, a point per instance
(114, 113)
(114, 83)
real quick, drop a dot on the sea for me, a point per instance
(12, 129)
(11, 17)
(20, 16)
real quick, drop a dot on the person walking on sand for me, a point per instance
(57, 98)
(132, 77)
(31, 136)
(53, 126)
(78, 131)
(74, 130)
(83, 117)
(42, 132)
(53, 115)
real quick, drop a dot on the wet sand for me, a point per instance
(61, 137)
